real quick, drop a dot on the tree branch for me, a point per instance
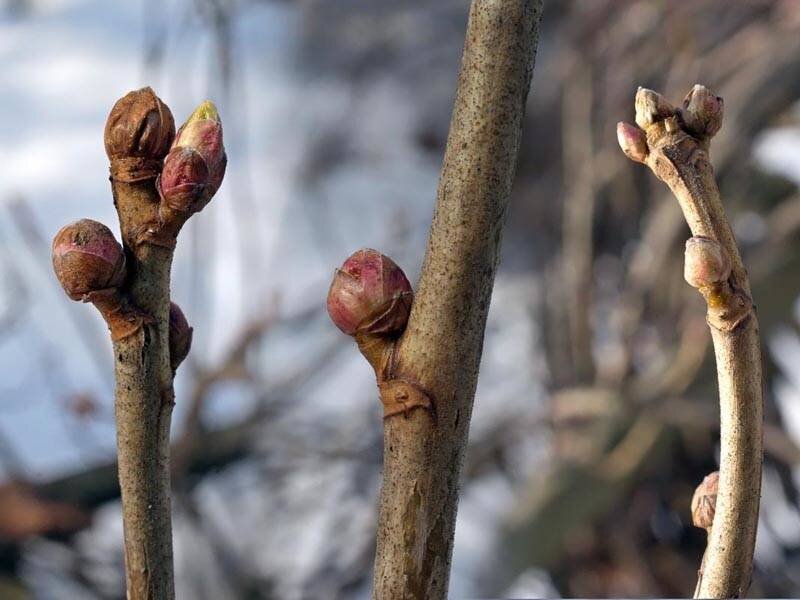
(441, 348)
(674, 144)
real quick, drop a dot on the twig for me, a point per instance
(674, 144)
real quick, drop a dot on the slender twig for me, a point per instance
(674, 144)
(441, 348)
(158, 180)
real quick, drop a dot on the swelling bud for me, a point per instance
(633, 141)
(705, 262)
(704, 501)
(195, 166)
(370, 294)
(651, 107)
(702, 112)
(87, 258)
(140, 125)
(180, 336)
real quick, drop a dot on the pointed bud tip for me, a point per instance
(206, 110)
(633, 141)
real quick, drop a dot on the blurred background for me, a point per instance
(596, 412)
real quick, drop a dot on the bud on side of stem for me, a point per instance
(87, 259)
(180, 336)
(633, 141)
(704, 501)
(706, 263)
(195, 166)
(90, 265)
(370, 294)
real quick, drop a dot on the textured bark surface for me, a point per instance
(441, 348)
(681, 161)
(144, 400)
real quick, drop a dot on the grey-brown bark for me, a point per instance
(441, 348)
(675, 145)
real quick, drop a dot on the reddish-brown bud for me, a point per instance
(651, 107)
(370, 294)
(180, 336)
(633, 141)
(702, 112)
(140, 126)
(87, 258)
(195, 167)
(705, 262)
(704, 501)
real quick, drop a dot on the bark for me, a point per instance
(678, 155)
(441, 348)
(143, 403)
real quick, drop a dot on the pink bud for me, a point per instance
(651, 107)
(702, 112)
(183, 180)
(195, 167)
(633, 141)
(704, 501)
(705, 262)
(180, 336)
(87, 258)
(370, 294)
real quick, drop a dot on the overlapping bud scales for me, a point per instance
(87, 258)
(195, 166)
(702, 112)
(140, 125)
(704, 501)
(370, 294)
(705, 263)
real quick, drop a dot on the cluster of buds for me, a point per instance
(706, 263)
(187, 169)
(141, 144)
(194, 168)
(704, 501)
(370, 295)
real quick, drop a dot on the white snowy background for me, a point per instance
(271, 237)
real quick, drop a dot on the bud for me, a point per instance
(702, 112)
(651, 107)
(180, 336)
(140, 125)
(87, 258)
(704, 501)
(370, 294)
(633, 141)
(195, 166)
(705, 262)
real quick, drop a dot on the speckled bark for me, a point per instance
(144, 400)
(681, 161)
(441, 348)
